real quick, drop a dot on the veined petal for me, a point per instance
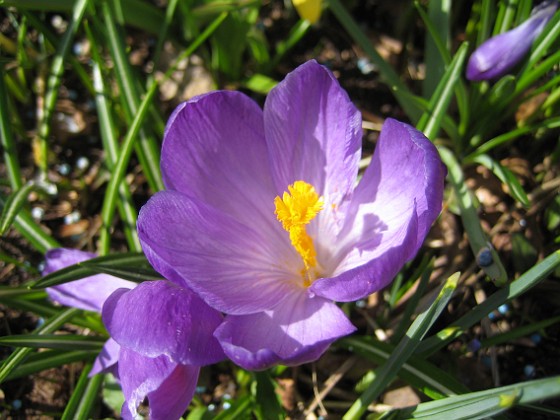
(159, 317)
(391, 212)
(497, 55)
(107, 359)
(362, 273)
(214, 150)
(88, 293)
(297, 331)
(168, 386)
(233, 267)
(313, 133)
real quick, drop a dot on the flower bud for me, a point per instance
(497, 55)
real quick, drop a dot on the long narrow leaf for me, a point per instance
(528, 280)
(482, 404)
(386, 373)
(54, 341)
(19, 355)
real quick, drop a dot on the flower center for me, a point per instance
(294, 210)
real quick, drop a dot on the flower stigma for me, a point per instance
(297, 208)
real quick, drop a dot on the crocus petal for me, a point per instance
(313, 132)
(159, 317)
(390, 214)
(168, 386)
(213, 149)
(497, 55)
(88, 293)
(297, 331)
(107, 359)
(234, 268)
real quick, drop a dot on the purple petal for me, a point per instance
(88, 293)
(159, 317)
(233, 267)
(297, 331)
(107, 359)
(168, 386)
(389, 216)
(214, 151)
(497, 55)
(313, 132)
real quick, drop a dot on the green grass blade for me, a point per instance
(50, 326)
(89, 399)
(550, 123)
(13, 206)
(111, 195)
(77, 394)
(436, 40)
(132, 266)
(6, 137)
(269, 407)
(518, 332)
(146, 148)
(482, 404)
(36, 236)
(419, 373)
(386, 373)
(528, 280)
(506, 176)
(430, 122)
(125, 205)
(53, 83)
(40, 361)
(386, 71)
(477, 239)
(54, 341)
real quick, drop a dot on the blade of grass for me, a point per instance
(38, 362)
(415, 371)
(7, 139)
(471, 222)
(77, 394)
(53, 83)
(146, 146)
(443, 49)
(387, 372)
(125, 205)
(506, 176)
(518, 332)
(430, 122)
(36, 236)
(528, 280)
(436, 40)
(386, 71)
(50, 326)
(482, 404)
(89, 399)
(54, 341)
(13, 206)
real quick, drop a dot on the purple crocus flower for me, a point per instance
(497, 55)
(263, 219)
(159, 364)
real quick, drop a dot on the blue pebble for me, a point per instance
(474, 345)
(529, 371)
(484, 258)
(536, 338)
(503, 309)
(492, 316)
(16, 404)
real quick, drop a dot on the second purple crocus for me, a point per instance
(163, 361)
(499, 54)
